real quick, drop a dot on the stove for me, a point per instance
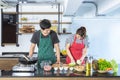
(24, 68)
(23, 74)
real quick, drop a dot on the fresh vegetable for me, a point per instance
(114, 65)
(104, 65)
(72, 64)
(64, 52)
(108, 69)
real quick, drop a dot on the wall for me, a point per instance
(104, 36)
(24, 39)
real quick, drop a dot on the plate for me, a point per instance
(100, 71)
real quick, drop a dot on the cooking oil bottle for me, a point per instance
(89, 66)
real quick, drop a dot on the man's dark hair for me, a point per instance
(45, 24)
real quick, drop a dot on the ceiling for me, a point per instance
(33, 1)
(83, 8)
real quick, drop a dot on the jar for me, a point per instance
(64, 30)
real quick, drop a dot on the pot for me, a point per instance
(25, 61)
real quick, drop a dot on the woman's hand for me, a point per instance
(72, 61)
(79, 62)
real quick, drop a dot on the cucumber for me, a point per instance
(72, 64)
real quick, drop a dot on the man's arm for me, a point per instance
(32, 48)
(57, 52)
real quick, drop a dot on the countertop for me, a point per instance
(52, 73)
(15, 54)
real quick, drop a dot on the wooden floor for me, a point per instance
(50, 78)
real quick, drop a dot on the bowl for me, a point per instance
(65, 68)
(55, 68)
(56, 65)
(101, 71)
(61, 68)
(47, 67)
(71, 68)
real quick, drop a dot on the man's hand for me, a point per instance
(58, 62)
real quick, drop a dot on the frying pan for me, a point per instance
(32, 60)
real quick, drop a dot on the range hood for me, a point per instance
(95, 7)
(71, 6)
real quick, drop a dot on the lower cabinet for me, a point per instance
(8, 63)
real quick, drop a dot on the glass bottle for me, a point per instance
(89, 66)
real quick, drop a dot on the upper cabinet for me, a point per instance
(9, 29)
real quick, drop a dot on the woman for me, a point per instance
(76, 46)
(46, 41)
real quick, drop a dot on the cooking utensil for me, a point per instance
(32, 60)
(26, 58)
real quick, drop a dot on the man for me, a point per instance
(46, 41)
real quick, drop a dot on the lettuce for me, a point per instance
(114, 65)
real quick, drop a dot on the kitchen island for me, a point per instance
(54, 75)
(59, 75)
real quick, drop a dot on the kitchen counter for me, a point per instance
(15, 54)
(53, 75)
